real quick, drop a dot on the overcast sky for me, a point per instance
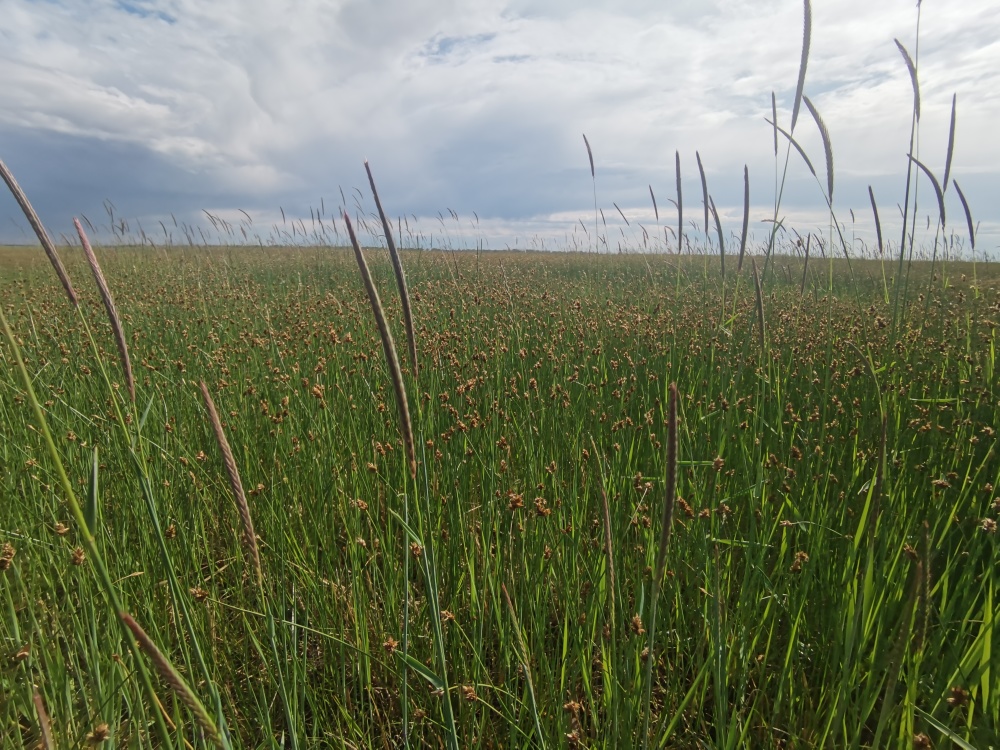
(168, 107)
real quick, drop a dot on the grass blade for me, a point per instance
(774, 121)
(525, 665)
(90, 509)
(760, 303)
(666, 522)
(746, 215)
(704, 188)
(944, 730)
(805, 265)
(606, 513)
(422, 669)
(680, 203)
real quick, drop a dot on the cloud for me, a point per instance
(171, 106)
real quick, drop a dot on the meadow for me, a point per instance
(334, 496)
(830, 578)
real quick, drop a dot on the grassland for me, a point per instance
(831, 577)
(624, 500)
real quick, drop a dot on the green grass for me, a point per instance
(807, 601)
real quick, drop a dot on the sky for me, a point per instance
(175, 116)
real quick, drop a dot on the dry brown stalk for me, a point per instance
(170, 675)
(43, 236)
(388, 347)
(249, 537)
(44, 726)
(397, 267)
(109, 306)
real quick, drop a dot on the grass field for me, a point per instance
(831, 578)
(588, 500)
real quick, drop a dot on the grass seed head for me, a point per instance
(249, 536)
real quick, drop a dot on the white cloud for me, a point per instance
(480, 105)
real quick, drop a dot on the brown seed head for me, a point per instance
(637, 627)
(249, 536)
(170, 675)
(99, 734)
(959, 697)
(800, 559)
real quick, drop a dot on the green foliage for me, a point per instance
(824, 586)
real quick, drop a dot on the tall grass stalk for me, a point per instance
(404, 298)
(746, 217)
(525, 660)
(236, 485)
(428, 557)
(800, 83)
(901, 285)
(666, 522)
(388, 348)
(44, 725)
(680, 204)
(169, 674)
(89, 542)
(109, 307)
(43, 236)
(397, 268)
(704, 190)
(135, 450)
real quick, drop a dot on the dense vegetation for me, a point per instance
(594, 500)
(832, 573)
